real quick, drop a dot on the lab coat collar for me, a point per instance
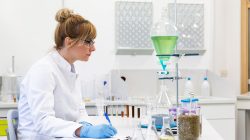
(62, 63)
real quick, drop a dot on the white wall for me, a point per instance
(226, 53)
(105, 53)
(222, 41)
(27, 26)
(26, 31)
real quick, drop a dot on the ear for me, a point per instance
(68, 42)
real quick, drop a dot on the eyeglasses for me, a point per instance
(90, 43)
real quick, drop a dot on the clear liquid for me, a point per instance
(166, 138)
(164, 45)
(166, 132)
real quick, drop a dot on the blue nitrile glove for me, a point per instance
(97, 131)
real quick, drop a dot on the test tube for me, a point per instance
(133, 111)
(138, 113)
(127, 110)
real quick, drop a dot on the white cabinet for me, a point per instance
(221, 117)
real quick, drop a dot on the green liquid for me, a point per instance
(164, 45)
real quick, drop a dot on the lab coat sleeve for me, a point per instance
(40, 86)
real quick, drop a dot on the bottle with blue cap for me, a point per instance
(106, 91)
(205, 88)
(189, 87)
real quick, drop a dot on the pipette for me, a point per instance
(107, 118)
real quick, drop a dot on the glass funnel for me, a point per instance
(164, 35)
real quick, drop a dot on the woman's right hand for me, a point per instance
(97, 131)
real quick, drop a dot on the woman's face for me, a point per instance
(82, 50)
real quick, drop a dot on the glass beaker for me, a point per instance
(189, 123)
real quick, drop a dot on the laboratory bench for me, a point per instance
(125, 127)
(219, 112)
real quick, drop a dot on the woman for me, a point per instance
(50, 94)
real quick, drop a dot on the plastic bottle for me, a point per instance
(205, 88)
(106, 92)
(189, 88)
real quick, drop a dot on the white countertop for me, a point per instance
(216, 100)
(208, 132)
(8, 105)
(243, 101)
(245, 96)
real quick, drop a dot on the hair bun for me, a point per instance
(63, 14)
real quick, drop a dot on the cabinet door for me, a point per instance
(219, 116)
(218, 111)
(225, 127)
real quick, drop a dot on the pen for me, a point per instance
(107, 118)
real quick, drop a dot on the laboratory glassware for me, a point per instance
(102, 87)
(189, 87)
(138, 135)
(151, 133)
(189, 120)
(100, 106)
(149, 106)
(173, 117)
(164, 38)
(164, 35)
(83, 115)
(10, 84)
(205, 88)
(163, 98)
(166, 132)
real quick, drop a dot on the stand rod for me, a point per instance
(177, 85)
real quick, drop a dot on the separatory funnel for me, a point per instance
(164, 36)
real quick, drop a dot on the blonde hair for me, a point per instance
(73, 26)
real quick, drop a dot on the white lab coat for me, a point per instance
(50, 97)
